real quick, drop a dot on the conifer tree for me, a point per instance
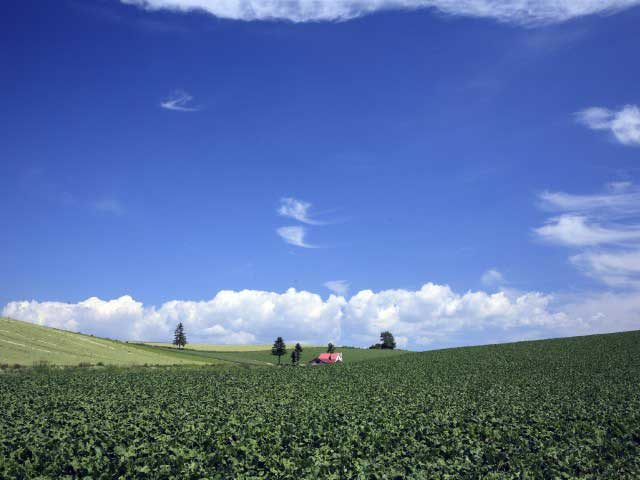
(279, 348)
(179, 337)
(298, 351)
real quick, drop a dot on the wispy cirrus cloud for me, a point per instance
(624, 124)
(577, 230)
(619, 268)
(298, 210)
(604, 227)
(521, 12)
(294, 235)
(619, 198)
(179, 101)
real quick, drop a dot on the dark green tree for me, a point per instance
(179, 337)
(296, 351)
(331, 348)
(279, 348)
(387, 341)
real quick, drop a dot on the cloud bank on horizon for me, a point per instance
(523, 12)
(432, 316)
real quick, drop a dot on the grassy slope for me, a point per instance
(25, 343)
(214, 348)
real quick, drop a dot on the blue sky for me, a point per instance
(159, 153)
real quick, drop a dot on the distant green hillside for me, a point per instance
(261, 354)
(27, 344)
(208, 347)
(349, 355)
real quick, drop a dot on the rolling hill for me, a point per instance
(209, 347)
(28, 344)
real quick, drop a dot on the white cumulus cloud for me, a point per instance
(245, 316)
(110, 318)
(624, 124)
(524, 12)
(435, 312)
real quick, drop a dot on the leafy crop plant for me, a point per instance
(565, 408)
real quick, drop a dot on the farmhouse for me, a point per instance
(326, 359)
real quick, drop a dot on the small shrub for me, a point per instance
(84, 364)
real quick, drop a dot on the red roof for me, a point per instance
(330, 357)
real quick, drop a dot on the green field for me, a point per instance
(27, 344)
(566, 408)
